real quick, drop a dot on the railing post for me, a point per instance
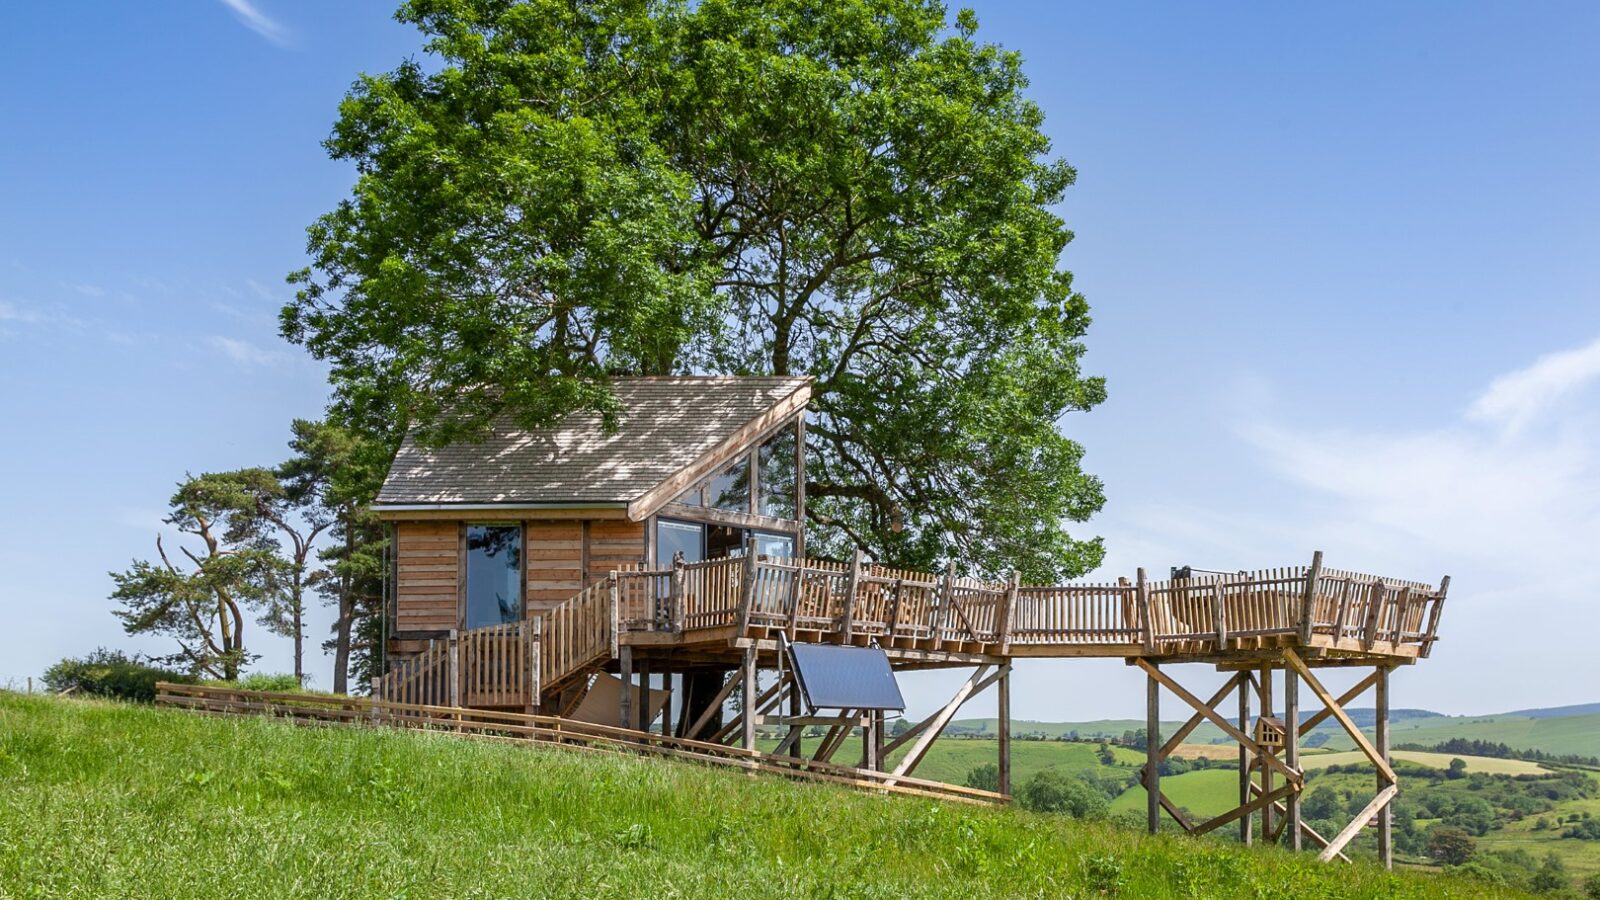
(535, 628)
(675, 596)
(1146, 611)
(1218, 612)
(1375, 603)
(747, 593)
(1007, 609)
(455, 668)
(377, 696)
(851, 585)
(1432, 633)
(794, 597)
(616, 613)
(1308, 603)
(947, 596)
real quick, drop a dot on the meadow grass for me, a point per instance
(106, 799)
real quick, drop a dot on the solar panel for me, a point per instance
(837, 677)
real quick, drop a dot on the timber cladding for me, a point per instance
(428, 572)
(553, 563)
(559, 559)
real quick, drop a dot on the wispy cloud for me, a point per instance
(1516, 399)
(245, 353)
(254, 19)
(12, 312)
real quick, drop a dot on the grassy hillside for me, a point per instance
(100, 799)
(1578, 734)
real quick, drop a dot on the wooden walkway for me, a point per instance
(710, 611)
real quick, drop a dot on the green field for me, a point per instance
(101, 799)
(1489, 764)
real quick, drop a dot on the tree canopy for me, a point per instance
(858, 190)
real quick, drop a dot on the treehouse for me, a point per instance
(639, 578)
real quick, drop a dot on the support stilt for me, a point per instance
(1291, 752)
(644, 695)
(1381, 740)
(1004, 704)
(1152, 744)
(748, 696)
(1246, 762)
(1265, 688)
(625, 667)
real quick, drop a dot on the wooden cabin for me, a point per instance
(502, 530)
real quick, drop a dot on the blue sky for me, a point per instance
(1342, 263)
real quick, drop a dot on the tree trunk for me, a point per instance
(347, 605)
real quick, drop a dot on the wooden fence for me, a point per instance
(544, 730)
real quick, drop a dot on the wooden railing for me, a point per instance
(549, 731)
(580, 632)
(920, 609)
(493, 666)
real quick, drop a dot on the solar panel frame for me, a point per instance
(836, 676)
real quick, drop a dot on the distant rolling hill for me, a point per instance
(1557, 730)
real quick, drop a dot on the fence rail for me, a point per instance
(544, 730)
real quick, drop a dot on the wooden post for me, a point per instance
(666, 709)
(535, 648)
(644, 695)
(1291, 751)
(30, 684)
(1007, 611)
(1004, 686)
(869, 744)
(800, 485)
(1147, 612)
(947, 596)
(877, 740)
(1379, 596)
(675, 596)
(1152, 752)
(625, 704)
(796, 583)
(1432, 633)
(616, 614)
(1308, 614)
(1246, 761)
(1219, 615)
(747, 697)
(747, 592)
(1381, 743)
(1266, 770)
(455, 669)
(795, 710)
(851, 585)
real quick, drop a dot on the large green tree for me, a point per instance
(857, 190)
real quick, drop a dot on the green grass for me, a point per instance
(1488, 764)
(1578, 735)
(104, 799)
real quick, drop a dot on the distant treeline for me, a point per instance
(1465, 747)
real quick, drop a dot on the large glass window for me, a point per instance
(774, 545)
(494, 574)
(777, 462)
(729, 489)
(673, 538)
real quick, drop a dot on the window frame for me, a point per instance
(462, 568)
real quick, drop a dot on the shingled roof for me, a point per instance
(669, 424)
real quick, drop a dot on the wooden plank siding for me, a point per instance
(428, 567)
(552, 563)
(614, 545)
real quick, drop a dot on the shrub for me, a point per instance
(110, 673)
(1051, 791)
(984, 778)
(281, 682)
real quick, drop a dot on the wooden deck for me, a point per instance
(711, 612)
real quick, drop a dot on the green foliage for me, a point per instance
(282, 682)
(985, 777)
(1591, 887)
(109, 673)
(858, 190)
(1451, 846)
(1552, 876)
(1052, 792)
(116, 800)
(236, 567)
